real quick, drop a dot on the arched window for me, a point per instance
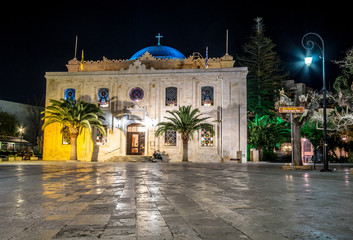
(170, 138)
(171, 96)
(103, 97)
(207, 96)
(206, 138)
(69, 94)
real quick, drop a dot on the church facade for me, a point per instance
(135, 95)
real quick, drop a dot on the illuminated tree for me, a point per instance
(265, 132)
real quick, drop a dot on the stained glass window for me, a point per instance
(170, 138)
(207, 96)
(206, 138)
(136, 94)
(66, 136)
(69, 94)
(171, 96)
(103, 97)
(101, 139)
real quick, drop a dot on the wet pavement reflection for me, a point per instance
(54, 200)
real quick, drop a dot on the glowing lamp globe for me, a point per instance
(308, 61)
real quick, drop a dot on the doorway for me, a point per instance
(135, 139)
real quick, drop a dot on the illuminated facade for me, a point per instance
(135, 94)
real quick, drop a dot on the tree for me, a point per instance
(74, 115)
(35, 122)
(8, 124)
(184, 121)
(34, 129)
(265, 132)
(265, 76)
(343, 83)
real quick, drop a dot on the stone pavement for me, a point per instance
(52, 200)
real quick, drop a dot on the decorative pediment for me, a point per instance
(147, 56)
(135, 112)
(136, 67)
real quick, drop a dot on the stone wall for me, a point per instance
(195, 61)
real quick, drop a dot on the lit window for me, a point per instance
(103, 97)
(136, 94)
(307, 146)
(206, 138)
(207, 97)
(171, 96)
(69, 94)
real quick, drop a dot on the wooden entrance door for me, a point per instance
(135, 140)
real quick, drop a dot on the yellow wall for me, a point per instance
(54, 150)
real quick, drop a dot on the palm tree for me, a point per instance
(186, 122)
(76, 116)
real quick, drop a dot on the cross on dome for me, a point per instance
(159, 38)
(159, 51)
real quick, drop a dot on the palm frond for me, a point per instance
(185, 121)
(74, 114)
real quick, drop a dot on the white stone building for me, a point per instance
(135, 94)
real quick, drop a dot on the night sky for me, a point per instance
(38, 38)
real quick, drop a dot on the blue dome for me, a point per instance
(159, 51)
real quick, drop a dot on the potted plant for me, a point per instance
(11, 157)
(18, 158)
(33, 157)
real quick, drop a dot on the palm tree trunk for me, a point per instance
(185, 150)
(73, 154)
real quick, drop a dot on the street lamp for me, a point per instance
(21, 130)
(309, 46)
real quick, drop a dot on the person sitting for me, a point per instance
(157, 155)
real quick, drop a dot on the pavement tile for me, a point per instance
(156, 231)
(91, 219)
(95, 208)
(60, 217)
(129, 213)
(115, 237)
(67, 199)
(121, 222)
(38, 234)
(77, 231)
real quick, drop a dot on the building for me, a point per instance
(135, 94)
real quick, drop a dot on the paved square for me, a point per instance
(52, 200)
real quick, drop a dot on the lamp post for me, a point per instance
(308, 60)
(21, 130)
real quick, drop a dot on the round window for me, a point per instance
(136, 94)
